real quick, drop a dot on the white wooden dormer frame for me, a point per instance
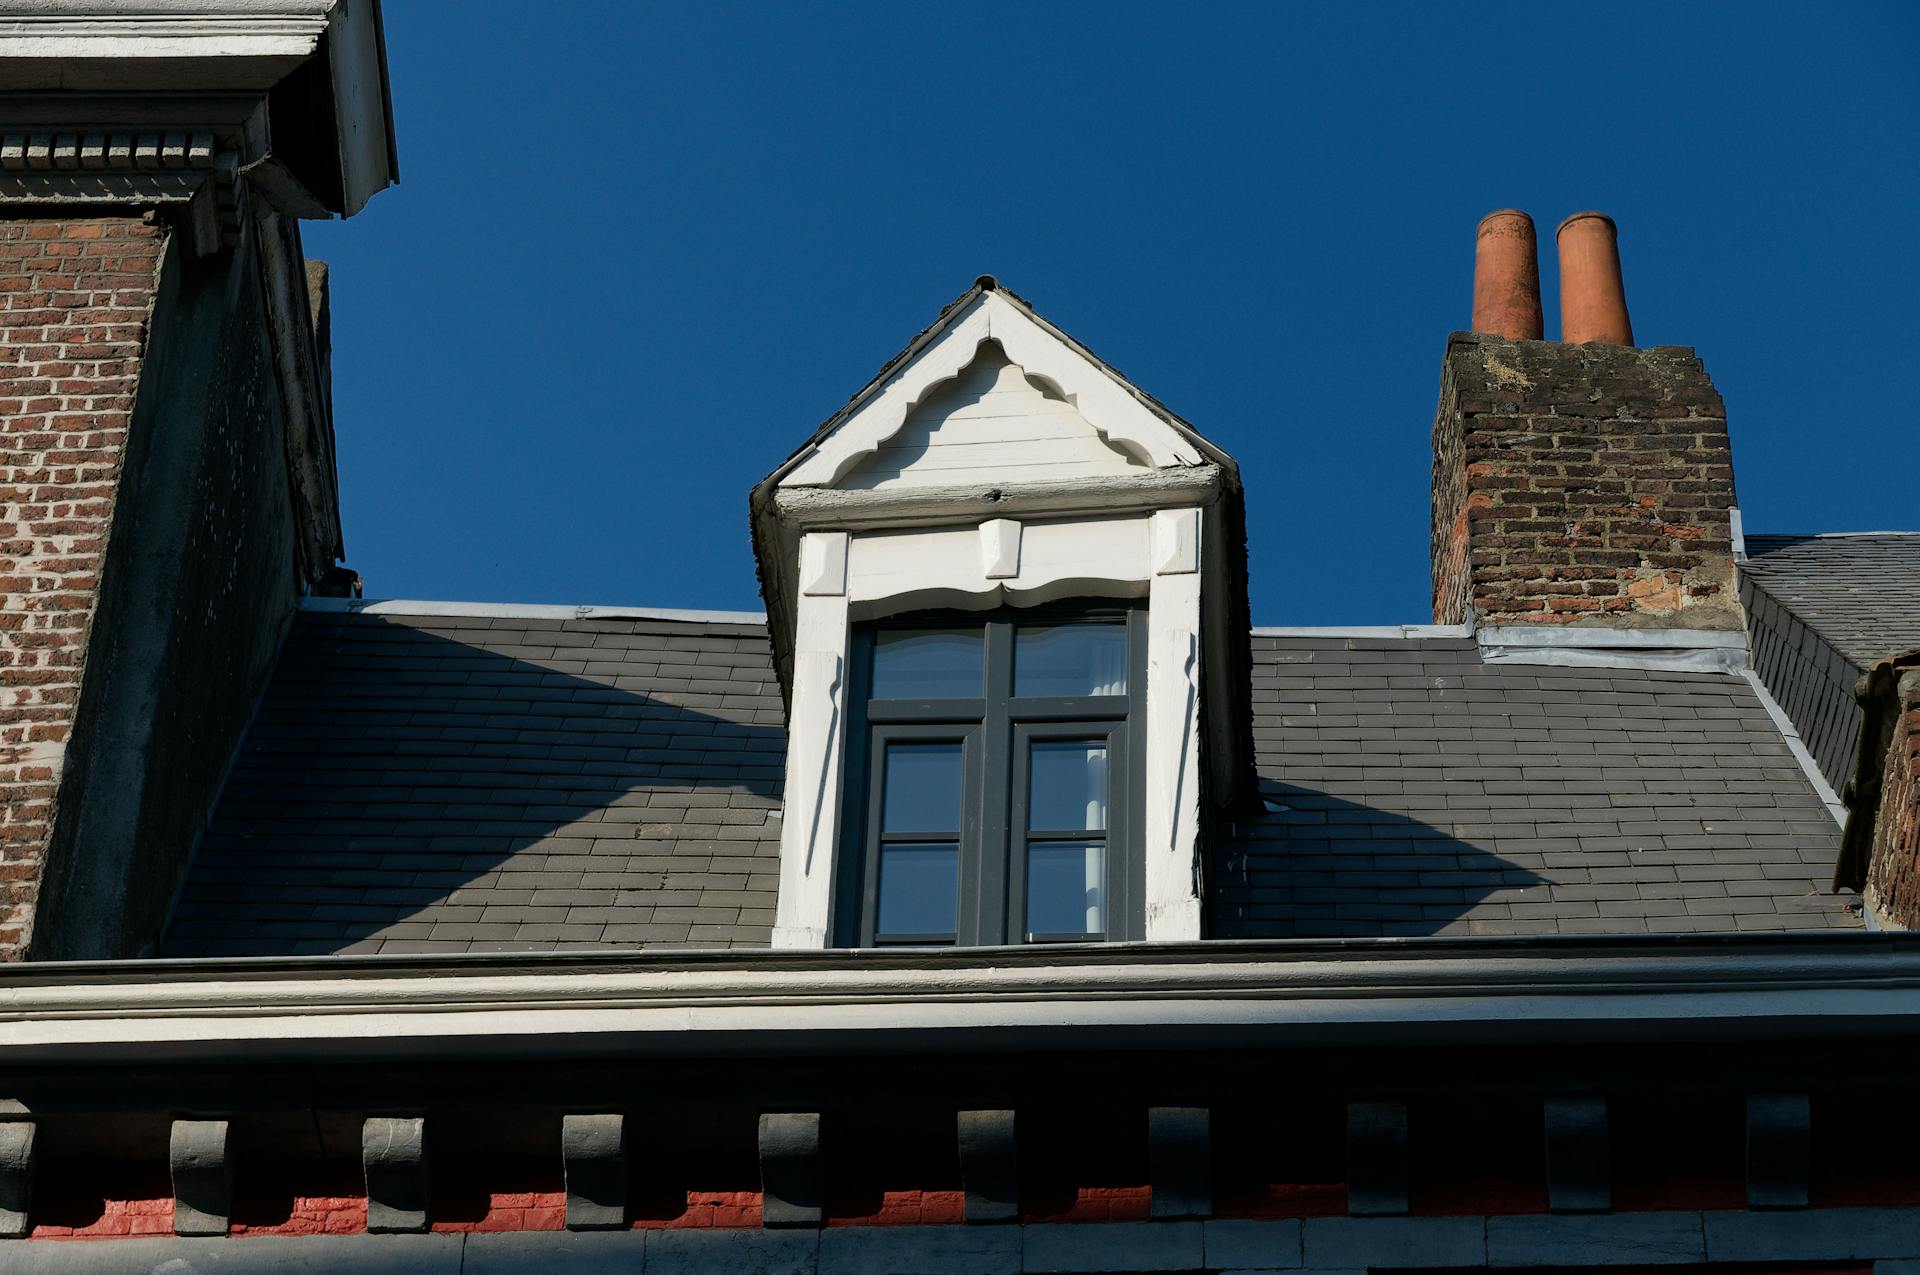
(833, 557)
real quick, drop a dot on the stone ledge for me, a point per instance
(1889, 1237)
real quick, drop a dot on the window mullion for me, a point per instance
(991, 848)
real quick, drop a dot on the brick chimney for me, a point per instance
(1581, 484)
(167, 488)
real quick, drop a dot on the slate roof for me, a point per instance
(1413, 789)
(1821, 610)
(447, 784)
(418, 784)
(1859, 592)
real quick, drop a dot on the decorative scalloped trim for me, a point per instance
(1121, 421)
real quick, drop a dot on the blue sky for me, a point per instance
(640, 250)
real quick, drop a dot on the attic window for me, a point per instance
(990, 778)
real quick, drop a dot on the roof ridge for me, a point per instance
(522, 610)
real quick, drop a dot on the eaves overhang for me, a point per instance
(320, 143)
(1163, 996)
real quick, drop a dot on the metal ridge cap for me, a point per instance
(1824, 535)
(521, 610)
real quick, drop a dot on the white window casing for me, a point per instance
(847, 578)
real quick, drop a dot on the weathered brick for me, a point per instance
(1580, 484)
(1893, 880)
(72, 353)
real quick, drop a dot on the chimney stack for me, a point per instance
(1577, 482)
(1506, 277)
(1593, 300)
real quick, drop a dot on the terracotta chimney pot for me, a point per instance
(1506, 277)
(1593, 300)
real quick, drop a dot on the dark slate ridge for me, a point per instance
(1859, 592)
(1424, 792)
(453, 784)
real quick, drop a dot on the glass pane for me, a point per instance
(922, 792)
(1070, 659)
(926, 664)
(919, 889)
(1066, 891)
(1067, 787)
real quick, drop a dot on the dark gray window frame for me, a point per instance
(994, 729)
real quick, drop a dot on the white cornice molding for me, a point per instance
(808, 508)
(1171, 995)
(162, 28)
(63, 51)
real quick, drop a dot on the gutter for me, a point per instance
(1174, 996)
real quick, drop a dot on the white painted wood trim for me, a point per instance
(823, 564)
(893, 572)
(1176, 541)
(1120, 418)
(805, 508)
(816, 747)
(999, 548)
(1172, 839)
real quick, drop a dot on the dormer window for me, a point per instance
(992, 768)
(1006, 591)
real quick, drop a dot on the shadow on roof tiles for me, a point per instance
(1319, 866)
(406, 789)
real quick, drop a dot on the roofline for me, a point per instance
(521, 611)
(1208, 994)
(1824, 535)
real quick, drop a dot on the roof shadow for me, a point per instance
(1318, 866)
(430, 784)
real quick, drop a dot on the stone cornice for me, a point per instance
(255, 41)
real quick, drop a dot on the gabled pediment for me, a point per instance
(992, 393)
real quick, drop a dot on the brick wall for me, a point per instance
(1894, 876)
(1580, 484)
(76, 296)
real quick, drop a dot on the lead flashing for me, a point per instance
(1596, 646)
(1411, 632)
